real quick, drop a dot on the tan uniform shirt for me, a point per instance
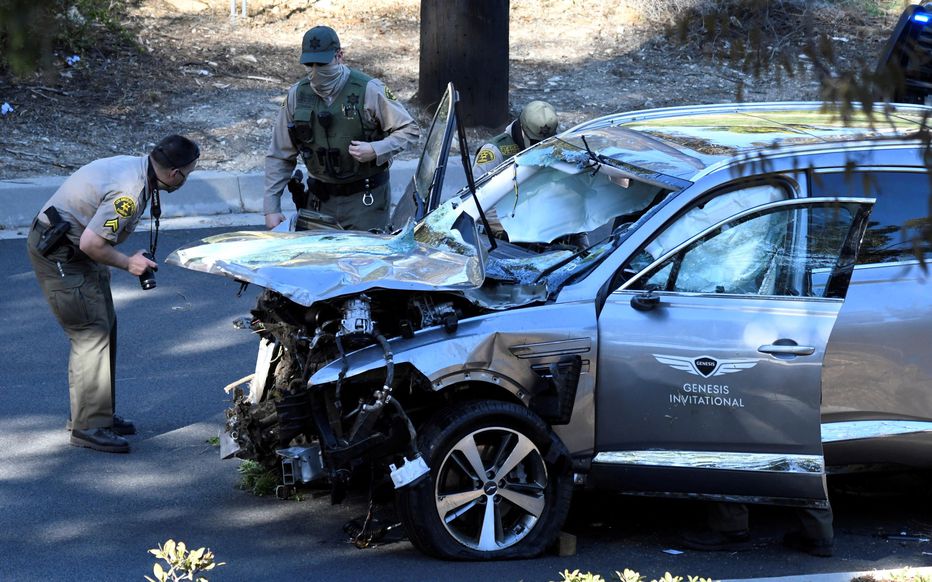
(490, 155)
(107, 196)
(378, 105)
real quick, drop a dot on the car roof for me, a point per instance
(685, 141)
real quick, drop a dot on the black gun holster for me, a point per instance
(55, 234)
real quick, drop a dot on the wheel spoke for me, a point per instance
(467, 471)
(521, 450)
(487, 542)
(529, 503)
(453, 501)
(467, 446)
(503, 448)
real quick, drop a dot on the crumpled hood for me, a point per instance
(307, 267)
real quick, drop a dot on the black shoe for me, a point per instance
(99, 439)
(123, 426)
(798, 541)
(715, 541)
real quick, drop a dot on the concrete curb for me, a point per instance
(206, 194)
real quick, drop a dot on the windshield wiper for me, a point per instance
(562, 263)
(470, 181)
(595, 160)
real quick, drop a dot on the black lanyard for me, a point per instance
(155, 211)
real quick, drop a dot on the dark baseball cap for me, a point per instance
(319, 45)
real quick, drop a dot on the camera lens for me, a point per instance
(147, 279)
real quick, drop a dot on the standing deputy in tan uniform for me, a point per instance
(346, 126)
(537, 122)
(72, 247)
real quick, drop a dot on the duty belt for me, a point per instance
(324, 190)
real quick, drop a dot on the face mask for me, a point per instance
(326, 79)
(166, 188)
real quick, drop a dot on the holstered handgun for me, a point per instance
(299, 193)
(54, 235)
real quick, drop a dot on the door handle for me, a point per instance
(786, 350)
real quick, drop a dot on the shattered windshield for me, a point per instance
(553, 210)
(555, 190)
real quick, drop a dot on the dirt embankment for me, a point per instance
(192, 69)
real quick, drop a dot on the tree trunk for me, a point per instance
(466, 42)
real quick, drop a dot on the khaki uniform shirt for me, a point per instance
(497, 151)
(379, 105)
(107, 196)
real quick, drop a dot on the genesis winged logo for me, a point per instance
(705, 366)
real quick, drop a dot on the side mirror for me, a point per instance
(645, 301)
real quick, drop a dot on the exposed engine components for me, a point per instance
(425, 313)
(282, 415)
(357, 317)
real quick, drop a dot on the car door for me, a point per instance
(876, 405)
(710, 355)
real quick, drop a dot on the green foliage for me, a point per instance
(30, 30)
(577, 576)
(625, 576)
(213, 441)
(629, 576)
(182, 564)
(257, 478)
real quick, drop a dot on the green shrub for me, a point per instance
(31, 30)
(182, 564)
(624, 576)
(257, 478)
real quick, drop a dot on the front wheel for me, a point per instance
(500, 484)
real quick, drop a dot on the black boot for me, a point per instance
(715, 541)
(99, 439)
(797, 540)
(123, 426)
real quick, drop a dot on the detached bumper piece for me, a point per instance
(409, 471)
(301, 464)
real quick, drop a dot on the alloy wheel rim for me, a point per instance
(490, 489)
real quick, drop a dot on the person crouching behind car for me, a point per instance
(72, 246)
(537, 121)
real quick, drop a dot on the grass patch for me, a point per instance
(257, 479)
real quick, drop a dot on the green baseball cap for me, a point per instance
(319, 45)
(539, 120)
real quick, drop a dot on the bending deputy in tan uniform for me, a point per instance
(346, 126)
(72, 247)
(537, 122)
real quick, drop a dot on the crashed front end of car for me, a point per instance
(328, 294)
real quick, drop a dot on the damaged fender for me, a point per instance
(497, 349)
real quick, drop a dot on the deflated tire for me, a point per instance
(499, 487)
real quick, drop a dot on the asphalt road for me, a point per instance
(74, 514)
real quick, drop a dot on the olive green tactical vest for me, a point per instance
(325, 149)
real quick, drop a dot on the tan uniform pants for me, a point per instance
(79, 294)
(353, 214)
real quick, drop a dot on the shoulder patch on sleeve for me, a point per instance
(124, 206)
(389, 94)
(485, 156)
(510, 149)
(113, 224)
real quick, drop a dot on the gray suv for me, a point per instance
(724, 303)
